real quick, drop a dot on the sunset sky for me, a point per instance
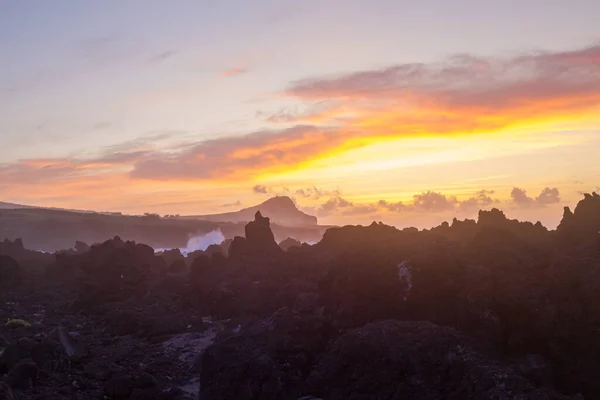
(409, 112)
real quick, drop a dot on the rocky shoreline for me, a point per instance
(486, 309)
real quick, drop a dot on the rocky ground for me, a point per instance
(487, 309)
(76, 355)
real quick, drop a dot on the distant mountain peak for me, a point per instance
(12, 206)
(281, 210)
(279, 201)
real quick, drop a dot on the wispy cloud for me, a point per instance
(319, 112)
(233, 72)
(115, 158)
(162, 56)
(34, 171)
(236, 203)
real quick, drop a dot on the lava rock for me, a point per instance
(289, 243)
(267, 360)
(238, 248)
(260, 238)
(15, 352)
(10, 271)
(23, 375)
(415, 360)
(6, 392)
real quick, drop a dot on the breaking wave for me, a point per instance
(199, 242)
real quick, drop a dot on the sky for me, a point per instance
(399, 111)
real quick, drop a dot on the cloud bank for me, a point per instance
(431, 202)
(546, 197)
(462, 94)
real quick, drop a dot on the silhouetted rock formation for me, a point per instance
(201, 268)
(362, 287)
(374, 237)
(28, 259)
(111, 270)
(492, 220)
(259, 237)
(215, 248)
(289, 243)
(582, 227)
(81, 247)
(178, 267)
(586, 216)
(496, 219)
(171, 256)
(10, 271)
(238, 248)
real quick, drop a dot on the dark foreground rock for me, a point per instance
(115, 270)
(391, 360)
(260, 238)
(288, 357)
(268, 360)
(289, 243)
(10, 271)
(29, 259)
(23, 375)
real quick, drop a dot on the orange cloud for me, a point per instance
(237, 158)
(35, 171)
(465, 93)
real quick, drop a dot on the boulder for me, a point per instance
(267, 360)
(15, 352)
(23, 375)
(81, 247)
(289, 243)
(415, 360)
(6, 392)
(123, 386)
(171, 256)
(215, 248)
